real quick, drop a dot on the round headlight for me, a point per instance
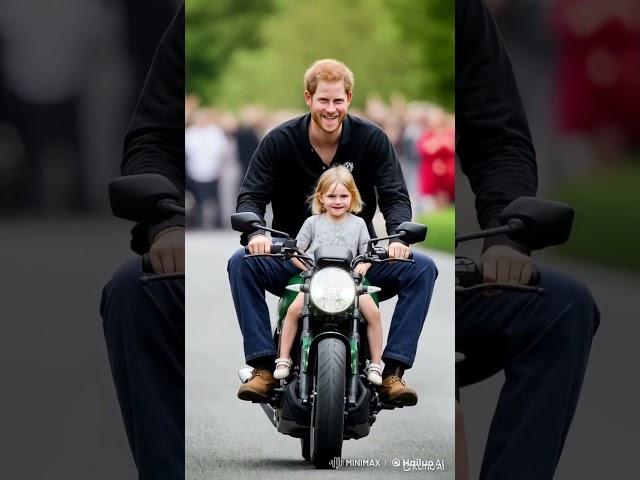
(332, 290)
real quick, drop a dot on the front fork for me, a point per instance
(305, 345)
(306, 338)
(354, 341)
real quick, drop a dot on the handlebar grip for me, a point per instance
(146, 264)
(275, 248)
(384, 255)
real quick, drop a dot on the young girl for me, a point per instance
(334, 203)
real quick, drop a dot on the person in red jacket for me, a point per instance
(438, 162)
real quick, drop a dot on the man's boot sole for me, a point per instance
(252, 396)
(407, 399)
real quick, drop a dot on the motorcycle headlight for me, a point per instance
(332, 290)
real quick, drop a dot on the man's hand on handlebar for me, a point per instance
(398, 250)
(504, 264)
(259, 244)
(167, 251)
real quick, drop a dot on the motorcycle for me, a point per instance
(148, 198)
(326, 398)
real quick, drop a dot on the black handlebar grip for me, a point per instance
(275, 248)
(146, 264)
(384, 255)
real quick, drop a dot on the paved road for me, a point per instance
(228, 438)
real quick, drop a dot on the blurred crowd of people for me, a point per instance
(219, 145)
(578, 67)
(70, 73)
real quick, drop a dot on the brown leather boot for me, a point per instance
(394, 389)
(259, 386)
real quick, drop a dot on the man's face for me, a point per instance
(328, 105)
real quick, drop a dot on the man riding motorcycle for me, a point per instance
(283, 172)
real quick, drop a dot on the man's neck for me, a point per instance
(321, 139)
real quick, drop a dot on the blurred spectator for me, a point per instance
(230, 170)
(419, 117)
(437, 163)
(45, 64)
(247, 136)
(67, 86)
(207, 148)
(598, 72)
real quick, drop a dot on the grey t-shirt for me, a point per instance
(321, 230)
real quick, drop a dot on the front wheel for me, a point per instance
(327, 414)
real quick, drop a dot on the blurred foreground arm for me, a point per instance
(155, 144)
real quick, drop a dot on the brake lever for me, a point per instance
(145, 279)
(276, 255)
(408, 260)
(502, 286)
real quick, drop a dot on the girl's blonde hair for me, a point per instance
(335, 175)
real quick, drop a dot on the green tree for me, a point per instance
(362, 33)
(214, 29)
(429, 24)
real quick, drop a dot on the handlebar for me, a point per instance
(377, 255)
(469, 279)
(151, 276)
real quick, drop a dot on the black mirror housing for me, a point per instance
(245, 222)
(412, 232)
(544, 222)
(136, 197)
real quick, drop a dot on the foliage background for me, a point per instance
(255, 51)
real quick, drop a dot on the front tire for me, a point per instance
(327, 415)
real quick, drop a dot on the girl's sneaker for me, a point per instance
(374, 373)
(283, 368)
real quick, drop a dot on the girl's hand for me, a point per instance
(298, 264)
(362, 268)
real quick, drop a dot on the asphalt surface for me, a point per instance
(228, 438)
(60, 415)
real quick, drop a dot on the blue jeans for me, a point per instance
(412, 282)
(144, 332)
(543, 345)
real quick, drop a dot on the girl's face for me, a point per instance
(336, 201)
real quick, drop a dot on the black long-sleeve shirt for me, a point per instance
(155, 140)
(493, 141)
(285, 168)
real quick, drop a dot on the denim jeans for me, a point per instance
(412, 282)
(542, 343)
(144, 331)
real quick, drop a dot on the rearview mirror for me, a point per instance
(412, 232)
(136, 197)
(245, 222)
(544, 222)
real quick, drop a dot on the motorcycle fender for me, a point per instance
(313, 348)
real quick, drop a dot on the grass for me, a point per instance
(441, 227)
(606, 228)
